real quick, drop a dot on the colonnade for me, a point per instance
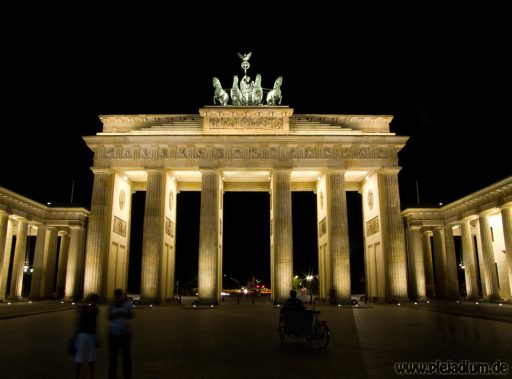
(463, 249)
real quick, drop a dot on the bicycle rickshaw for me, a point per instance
(304, 323)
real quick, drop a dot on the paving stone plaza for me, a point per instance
(241, 341)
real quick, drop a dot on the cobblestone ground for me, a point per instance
(241, 341)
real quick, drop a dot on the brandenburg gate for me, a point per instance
(245, 148)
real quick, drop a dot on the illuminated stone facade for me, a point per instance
(244, 149)
(479, 265)
(53, 232)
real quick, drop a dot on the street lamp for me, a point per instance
(309, 278)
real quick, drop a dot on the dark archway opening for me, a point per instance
(187, 241)
(246, 240)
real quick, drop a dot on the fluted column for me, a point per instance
(490, 276)
(427, 259)
(393, 234)
(440, 263)
(506, 219)
(468, 253)
(451, 264)
(338, 236)
(416, 263)
(19, 260)
(283, 238)
(209, 238)
(37, 274)
(75, 266)
(152, 239)
(6, 262)
(49, 261)
(62, 265)
(98, 233)
(4, 222)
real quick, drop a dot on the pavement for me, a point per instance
(240, 340)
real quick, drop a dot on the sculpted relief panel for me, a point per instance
(242, 151)
(245, 123)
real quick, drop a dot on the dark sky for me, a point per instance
(444, 74)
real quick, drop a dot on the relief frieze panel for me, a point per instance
(252, 151)
(243, 123)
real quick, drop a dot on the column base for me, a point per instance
(341, 300)
(207, 301)
(149, 301)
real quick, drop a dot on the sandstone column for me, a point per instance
(19, 260)
(468, 253)
(75, 266)
(427, 258)
(416, 263)
(506, 219)
(37, 274)
(283, 238)
(152, 239)
(49, 262)
(6, 261)
(338, 237)
(4, 222)
(489, 275)
(62, 265)
(209, 238)
(440, 263)
(98, 233)
(451, 264)
(393, 239)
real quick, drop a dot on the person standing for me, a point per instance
(86, 334)
(120, 313)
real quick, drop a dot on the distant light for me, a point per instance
(73, 303)
(151, 305)
(457, 301)
(428, 301)
(501, 305)
(193, 305)
(357, 305)
(398, 304)
(339, 305)
(63, 302)
(30, 302)
(9, 303)
(49, 203)
(277, 304)
(415, 303)
(211, 305)
(476, 303)
(440, 203)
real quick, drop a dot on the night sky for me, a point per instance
(444, 75)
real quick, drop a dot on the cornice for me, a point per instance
(484, 201)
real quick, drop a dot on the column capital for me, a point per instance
(390, 170)
(426, 232)
(336, 171)
(505, 206)
(154, 170)
(209, 170)
(284, 169)
(63, 232)
(100, 170)
(486, 212)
